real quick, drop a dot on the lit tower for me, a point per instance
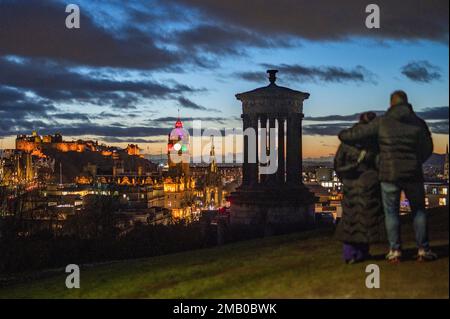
(178, 150)
(213, 188)
(212, 157)
(279, 197)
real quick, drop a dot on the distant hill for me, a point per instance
(436, 160)
(322, 159)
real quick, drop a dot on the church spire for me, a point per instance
(212, 155)
(178, 123)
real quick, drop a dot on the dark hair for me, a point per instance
(401, 95)
(367, 117)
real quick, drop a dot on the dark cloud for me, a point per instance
(439, 127)
(257, 76)
(10, 95)
(326, 128)
(436, 117)
(137, 40)
(430, 113)
(107, 115)
(59, 82)
(434, 113)
(187, 103)
(296, 72)
(421, 71)
(169, 120)
(15, 104)
(110, 139)
(71, 116)
(330, 19)
(330, 118)
(135, 34)
(86, 117)
(12, 127)
(37, 29)
(221, 40)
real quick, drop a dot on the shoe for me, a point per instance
(425, 255)
(394, 256)
(350, 261)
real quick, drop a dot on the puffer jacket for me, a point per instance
(404, 141)
(362, 217)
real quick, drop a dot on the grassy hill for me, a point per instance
(302, 265)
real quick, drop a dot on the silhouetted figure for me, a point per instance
(362, 217)
(405, 144)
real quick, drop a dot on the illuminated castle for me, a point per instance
(36, 144)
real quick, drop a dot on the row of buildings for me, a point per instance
(49, 179)
(59, 175)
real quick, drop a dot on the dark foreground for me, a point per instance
(302, 265)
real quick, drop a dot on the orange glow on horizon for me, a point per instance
(314, 146)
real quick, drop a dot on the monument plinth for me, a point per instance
(280, 197)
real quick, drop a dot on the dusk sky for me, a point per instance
(122, 76)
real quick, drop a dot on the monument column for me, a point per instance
(253, 167)
(262, 154)
(281, 172)
(272, 178)
(293, 150)
(245, 166)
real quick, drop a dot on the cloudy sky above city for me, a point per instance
(122, 76)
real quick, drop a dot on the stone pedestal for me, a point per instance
(272, 206)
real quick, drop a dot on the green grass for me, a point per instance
(303, 265)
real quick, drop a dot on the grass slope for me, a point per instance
(303, 265)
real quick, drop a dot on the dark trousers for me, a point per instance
(415, 193)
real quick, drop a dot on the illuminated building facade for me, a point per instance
(179, 186)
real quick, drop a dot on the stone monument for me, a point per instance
(281, 197)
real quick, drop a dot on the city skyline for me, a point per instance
(122, 76)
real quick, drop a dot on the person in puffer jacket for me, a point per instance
(362, 220)
(405, 143)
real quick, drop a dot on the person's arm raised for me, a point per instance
(360, 133)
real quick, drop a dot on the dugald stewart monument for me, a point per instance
(279, 198)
